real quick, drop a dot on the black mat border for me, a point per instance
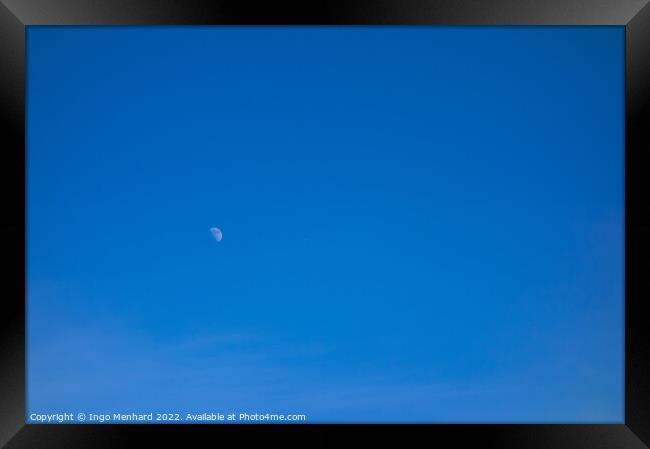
(16, 14)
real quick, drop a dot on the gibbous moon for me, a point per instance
(216, 232)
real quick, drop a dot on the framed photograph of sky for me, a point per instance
(378, 220)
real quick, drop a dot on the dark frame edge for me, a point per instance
(325, 12)
(12, 224)
(498, 436)
(637, 223)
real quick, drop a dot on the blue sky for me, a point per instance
(419, 224)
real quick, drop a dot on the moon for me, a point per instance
(217, 234)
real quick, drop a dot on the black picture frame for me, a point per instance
(15, 15)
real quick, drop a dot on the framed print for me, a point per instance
(392, 220)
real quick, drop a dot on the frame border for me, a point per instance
(15, 15)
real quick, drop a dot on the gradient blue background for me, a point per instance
(419, 224)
